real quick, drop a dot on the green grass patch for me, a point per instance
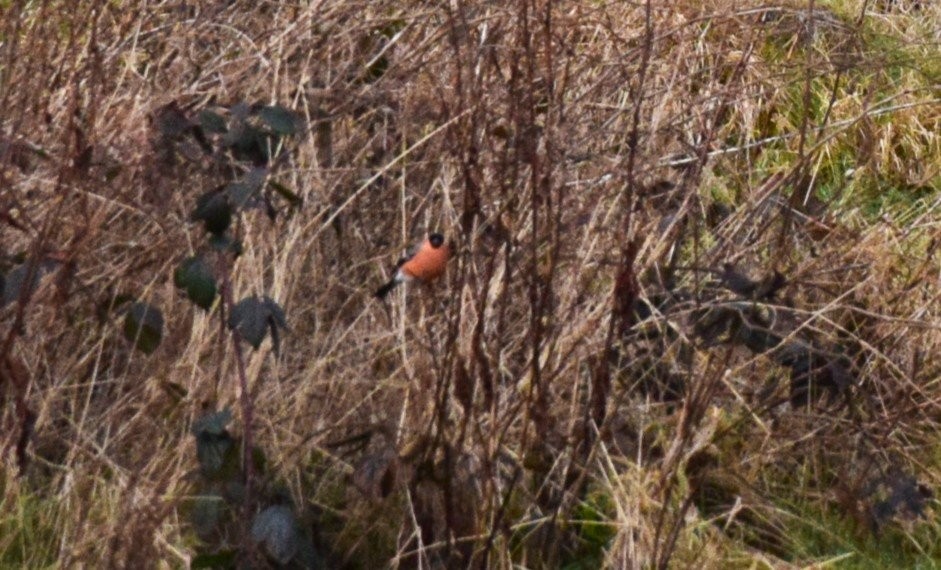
(28, 534)
(824, 533)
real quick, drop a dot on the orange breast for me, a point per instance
(428, 263)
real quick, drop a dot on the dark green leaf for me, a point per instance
(194, 276)
(240, 111)
(286, 193)
(121, 299)
(213, 423)
(15, 283)
(223, 242)
(276, 529)
(235, 491)
(307, 555)
(239, 193)
(171, 121)
(217, 455)
(249, 143)
(245, 192)
(282, 121)
(259, 459)
(200, 136)
(252, 317)
(207, 513)
(277, 313)
(215, 448)
(277, 321)
(143, 326)
(221, 559)
(269, 208)
(111, 303)
(214, 210)
(212, 122)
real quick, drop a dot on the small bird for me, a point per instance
(425, 263)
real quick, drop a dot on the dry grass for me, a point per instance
(587, 388)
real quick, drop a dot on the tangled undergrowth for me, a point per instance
(690, 321)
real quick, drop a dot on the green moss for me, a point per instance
(593, 525)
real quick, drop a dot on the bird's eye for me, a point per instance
(436, 240)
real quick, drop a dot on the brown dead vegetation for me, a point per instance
(670, 303)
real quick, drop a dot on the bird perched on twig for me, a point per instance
(425, 263)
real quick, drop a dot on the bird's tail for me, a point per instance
(384, 290)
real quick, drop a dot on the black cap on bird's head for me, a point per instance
(436, 240)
